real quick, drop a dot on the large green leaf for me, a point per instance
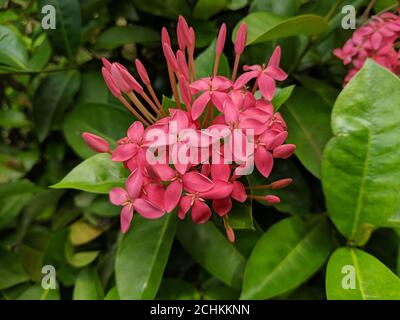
(241, 215)
(142, 255)
(207, 8)
(204, 63)
(81, 120)
(360, 173)
(51, 99)
(286, 255)
(88, 286)
(210, 248)
(177, 289)
(12, 50)
(11, 270)
(281, 96)
(353, 274)
(265, 26)
(282, 7)
(117, 36)
(96, 174)
(36, 292)
(65, 38)
(308, 120)
(164, 8)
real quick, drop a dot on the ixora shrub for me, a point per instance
(247, 151)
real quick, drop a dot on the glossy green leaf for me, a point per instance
(97, 174)
(241, 215)
(41, 56)
(112, 294)
(289, 253)
(36, 292)
(360, 173)
(213, 289)
(322, 88)
(207, 8)
(282, 7)
(177, 289)
(12, 50)
(142, 255)
(65, 38)
(11, 270)
(164, 8)
(115, 37)
(353, 274)
(265, 26)
(210, 248)
(281, 96)
(308, 121)
(88, 286)
(81, 120)
(204, 63)
(93, 89)
(51, 99)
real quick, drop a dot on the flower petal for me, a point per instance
(239, 192)
(201, 213)
(222, 206)
(126, 218)
(264, 161)
(135, 132)
(244, 78)
(267, 86)
(134, 184)
(221, 189)
(184, 206)
(147, 210)
(199, 105)
(124, 152)
(118, 196)
(172, 195)
(194, 181)
(220, 172)
(284, 151)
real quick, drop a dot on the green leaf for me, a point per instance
(177, 289)
(112, 294)
(115, 37)
(51, 99)
(381, 5)
(241, 216)
(295, 199)
(289, 253)
(97, 174)
(204, 9)
(12, 50)
(322, 88)
(204, 63)
(281, 96)
(213, 289)
(65, 38)
(282, 7)
(13, 119)
(41, 56)
(93, 89)
(36, 292)
(11, 270)
(88, 286)
(210, 248)
(13, 198)
(164, 8)
(360, 173)
(308, 121)
(142, 255)
(82, 232)
(265, 26)
(81, 120)
(353, 274)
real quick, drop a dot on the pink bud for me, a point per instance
(191, 39)
(284, 151)
(241, 38)
(165, 36)
(272, 199)
(182, 33)
(142, 72)
(97, 143)
(280, 184)
(118, 79)
(230, 233)
(221, 40)
(183, 67)
(110, 82)
(169, 55)
(129, 79)
(106, 64)
(185, 90)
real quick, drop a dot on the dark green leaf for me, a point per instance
(65, 37)
(207, 8)
(52, 98)
(88, 286)
(241, 216)
(210, 248)
(308, 121)
(204, 63)
(286, 255)
(12, 50)
(164, 8)
(142, 255)
(11, 270)
(177, 289)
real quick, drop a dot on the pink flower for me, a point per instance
(213, 89)
(265, 76)
(97, 143)
(130, 201)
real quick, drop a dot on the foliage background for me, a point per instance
(51, 91)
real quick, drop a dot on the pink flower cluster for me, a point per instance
(377, 40)
(215, 103)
